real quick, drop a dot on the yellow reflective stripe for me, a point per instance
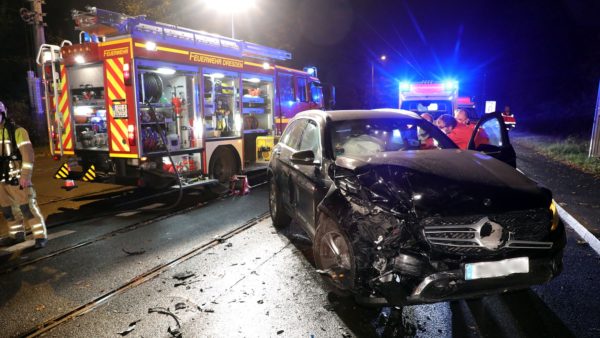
(19, 145)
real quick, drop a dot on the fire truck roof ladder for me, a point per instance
(103, 23)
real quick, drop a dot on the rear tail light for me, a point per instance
(126, 74)
(131, 134)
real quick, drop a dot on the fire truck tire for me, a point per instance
(223, 165)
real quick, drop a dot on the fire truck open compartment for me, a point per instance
(89, 107)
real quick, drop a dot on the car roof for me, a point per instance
(359, 114)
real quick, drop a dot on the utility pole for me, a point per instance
(35, 17)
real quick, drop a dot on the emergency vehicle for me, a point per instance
(467, 104)
(138, 101)
(435, 98)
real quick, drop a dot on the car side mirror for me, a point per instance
(304, 157)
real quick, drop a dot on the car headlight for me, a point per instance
(555, 217)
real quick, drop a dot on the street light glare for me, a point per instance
(383, 58)
(230, 5)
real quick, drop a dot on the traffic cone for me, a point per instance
(239, 185)
(69, 185)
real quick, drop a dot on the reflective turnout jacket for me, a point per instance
(12, 165)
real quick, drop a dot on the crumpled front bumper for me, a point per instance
(451, 285)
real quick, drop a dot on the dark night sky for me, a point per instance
(538, 56)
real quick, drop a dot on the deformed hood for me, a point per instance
(448, 180)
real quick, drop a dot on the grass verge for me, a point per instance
(572, 151)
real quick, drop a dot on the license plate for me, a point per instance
(120, 111)
(496, 269)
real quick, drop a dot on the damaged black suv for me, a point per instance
(399, 215)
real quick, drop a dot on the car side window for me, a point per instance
(489, 133)
(311, 138)
(293, 133)
(301, 86)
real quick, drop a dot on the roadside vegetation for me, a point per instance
(572, 151)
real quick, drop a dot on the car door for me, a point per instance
(491, 138)
(309, 184)
(281, 163)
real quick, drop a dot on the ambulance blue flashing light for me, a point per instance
(450, 84)
(404, 86)
(311, 70)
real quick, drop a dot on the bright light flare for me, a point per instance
(266, 66)
(383, 57)
(229, 6)
(450, 84)
(79, 59)
(405, 86)
(150, 45)
(165, 71)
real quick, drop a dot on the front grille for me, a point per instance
(485, 234)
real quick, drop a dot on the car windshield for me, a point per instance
(371, 136)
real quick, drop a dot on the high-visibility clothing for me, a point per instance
(15, 166)
(461, 135)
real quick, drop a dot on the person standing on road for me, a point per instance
(16, 190)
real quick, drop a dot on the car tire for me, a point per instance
(223, 165)
(338, 269)
(278, 215)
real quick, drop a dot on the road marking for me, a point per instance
(127, 213)
(152, 206)
(31, 242)
(579, 228)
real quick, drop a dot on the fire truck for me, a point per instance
(435, 98)
(141, 102)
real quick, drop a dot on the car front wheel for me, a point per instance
(278, 215)
(334, 256)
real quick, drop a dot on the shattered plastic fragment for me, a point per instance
(130, 328)
(183, 275)
(134, 253)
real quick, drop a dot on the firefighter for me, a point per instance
(16, 190)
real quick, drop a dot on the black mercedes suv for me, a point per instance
(399, 215)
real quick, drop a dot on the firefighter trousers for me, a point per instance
(13, 196)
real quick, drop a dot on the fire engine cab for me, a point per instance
(435, 98)
(138, 101)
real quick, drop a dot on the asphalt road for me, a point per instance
(259, 282)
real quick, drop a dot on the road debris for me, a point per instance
(180, 306)
(165, 311)
(279, 332)
(220, 239)
(134, 253)
(175, 333)
(130, 328)
(184, 275)
(40, 307)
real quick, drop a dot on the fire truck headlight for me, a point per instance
(79, 59)
(150, 45)
(405, 86)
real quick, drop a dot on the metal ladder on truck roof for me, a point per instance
(101, 22)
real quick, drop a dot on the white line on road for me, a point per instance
(31, 242)
(579, 228)
(152, 206)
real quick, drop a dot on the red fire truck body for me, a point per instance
(144, 99)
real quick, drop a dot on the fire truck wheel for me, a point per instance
(278, 214)
(223, 165)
